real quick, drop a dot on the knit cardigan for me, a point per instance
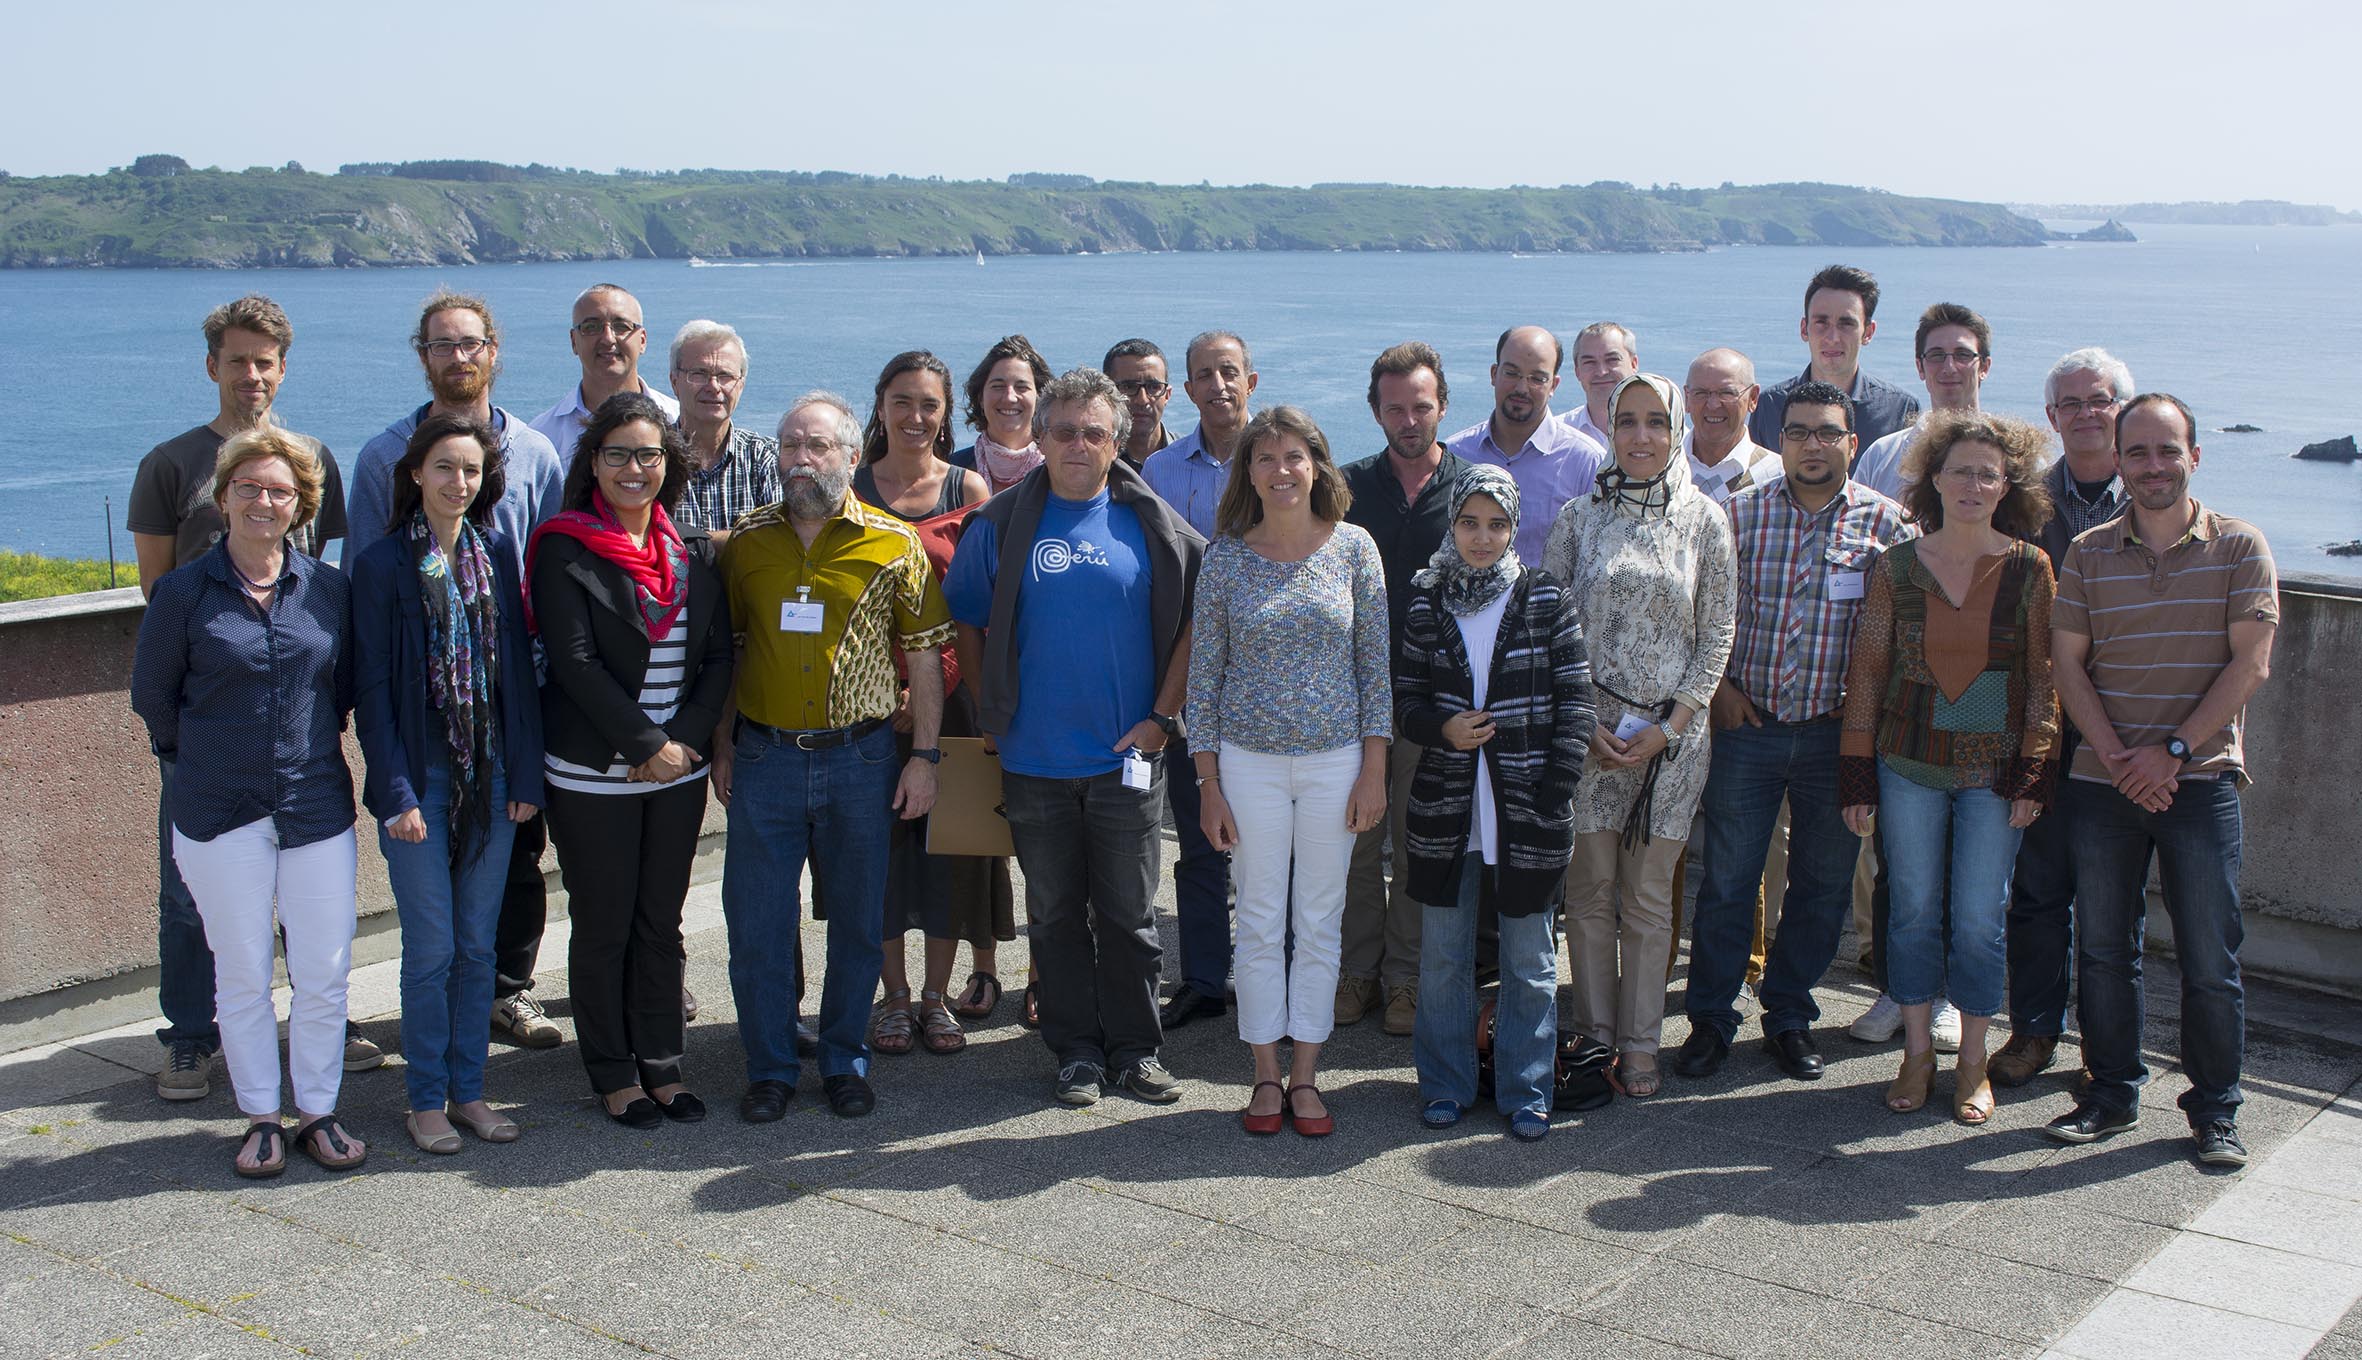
(1540, 702)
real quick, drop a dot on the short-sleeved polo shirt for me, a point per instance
(2159, 625)
(869, 573)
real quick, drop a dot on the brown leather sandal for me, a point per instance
(891, 1030)
(1908, 1091)
(939, 1029)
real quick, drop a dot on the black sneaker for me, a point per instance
(1078, 1084)
(2219, 1145)
(1149, 1080)
(2090, 1121)
(188, 1071)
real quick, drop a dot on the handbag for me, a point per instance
(1579, 1074)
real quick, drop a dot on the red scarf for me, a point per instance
(658, 568)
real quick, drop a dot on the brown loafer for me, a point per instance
(2022, 1058)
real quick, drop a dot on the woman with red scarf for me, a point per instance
(636, 629)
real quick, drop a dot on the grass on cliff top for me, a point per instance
(30, 576)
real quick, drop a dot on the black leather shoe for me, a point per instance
(849, 1095)
(765, 1102)
(686, 1108)
(640, 1114)
(1794, 1051)
(1187, 1004)
(1702, 1052)
(2091, 1121)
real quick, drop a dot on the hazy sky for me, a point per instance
(2042, 102)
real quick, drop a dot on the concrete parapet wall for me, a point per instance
(78, 798)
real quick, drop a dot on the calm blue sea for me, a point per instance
(2252, 325)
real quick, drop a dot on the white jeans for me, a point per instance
(236, 878)
(1289, 805)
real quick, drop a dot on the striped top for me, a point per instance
(660, 694)
(2159, 626)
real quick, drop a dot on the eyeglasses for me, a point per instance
(1968, 476)
(1143, 387)
(465, 349)
(1097, 436)
(594, 328)
(719, 377)
(1728, 396)
(821, 445)
(2075, 406)
(246, 490)
(1825, 435)
(1961, 358)
(618, 455)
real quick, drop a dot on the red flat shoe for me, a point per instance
(1264, 1124)
(1316, 1126)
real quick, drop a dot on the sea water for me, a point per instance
(2254, 326)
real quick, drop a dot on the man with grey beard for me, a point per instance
(823, 590)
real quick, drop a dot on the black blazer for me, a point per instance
(597, 650)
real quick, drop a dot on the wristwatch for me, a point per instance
(2177, 748)
(930, 754)
(1672, 741)
(1167, 723)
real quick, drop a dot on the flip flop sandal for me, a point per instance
(1031, 1016)
(340, 1156)
(891, 1032)
(979, 997)
(274, 1151)
(938, 1029)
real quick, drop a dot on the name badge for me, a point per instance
(1632, 725)
(1137, 771)
(801, 614)
(1845, 585)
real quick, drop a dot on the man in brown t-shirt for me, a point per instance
(2161, 631)
(173, 522)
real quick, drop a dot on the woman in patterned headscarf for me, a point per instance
(1649, 560)
(1491, 681)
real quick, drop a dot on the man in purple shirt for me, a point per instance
(1550, 460)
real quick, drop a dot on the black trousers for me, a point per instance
(524, 911)
(625, 859)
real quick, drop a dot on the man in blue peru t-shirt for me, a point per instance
(1071, 593)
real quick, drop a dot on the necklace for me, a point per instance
(262, 587)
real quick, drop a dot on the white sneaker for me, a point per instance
(1884, 1020)
(1946, 1025)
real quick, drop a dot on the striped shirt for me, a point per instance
(2160, 628)
(742, 480)
(660, 695)
(1802, 575)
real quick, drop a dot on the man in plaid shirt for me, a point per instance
(1805, 543)
(733, 471)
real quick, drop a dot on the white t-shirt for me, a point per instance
(1478, 632)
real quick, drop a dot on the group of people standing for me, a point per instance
(1408, 715)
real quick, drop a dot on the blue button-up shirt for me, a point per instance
(535, 474)
(1880, 409)
(1188, 479)
(250, 706)
(1557, 464)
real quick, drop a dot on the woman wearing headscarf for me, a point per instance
(1491, 680)
(1649, 560)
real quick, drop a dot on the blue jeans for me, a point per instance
(449, 913)
(184, 974)
(1201, 882)
(834, 808)
(1917, 824)
(1525, 1024)
(1753, 769)
(2042, 917)
(1088, 848)
(2196, 843)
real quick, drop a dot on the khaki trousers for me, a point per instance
(1381, 920)
(1622, 1007)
